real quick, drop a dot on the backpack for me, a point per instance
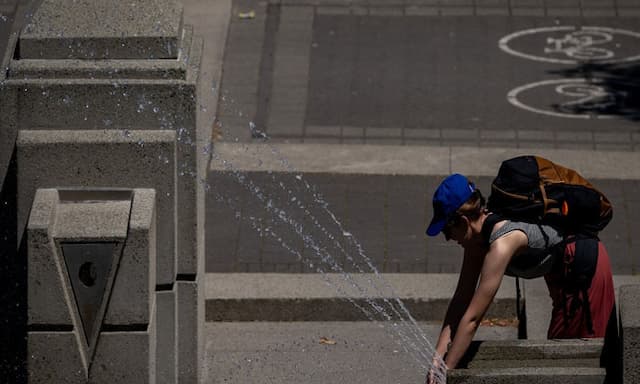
(536, 190)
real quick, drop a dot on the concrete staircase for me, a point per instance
(284, 327)
(532, 361)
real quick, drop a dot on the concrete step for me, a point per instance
(337, 297)
(531, 361)
(535, 353)
(354, 352)
(530, 375)
(372, 352)
(512, 363)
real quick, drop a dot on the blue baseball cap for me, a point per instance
(454, 191)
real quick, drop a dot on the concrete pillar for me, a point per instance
(630, 332)
(103, 94)
(91, 286)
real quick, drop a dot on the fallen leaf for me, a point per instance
(216, 131)
(327, 341)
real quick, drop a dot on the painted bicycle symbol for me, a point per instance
(572, 45)
(571, 98)
(582, 45)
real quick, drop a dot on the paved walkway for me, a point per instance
(479, 73)
(381, 195)
(316, 352)
(434, 75)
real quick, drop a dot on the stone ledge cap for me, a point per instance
(99, 29)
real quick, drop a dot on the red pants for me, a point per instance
(570, 322)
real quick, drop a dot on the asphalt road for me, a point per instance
(395, 74)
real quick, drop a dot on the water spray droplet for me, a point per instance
(207, 149)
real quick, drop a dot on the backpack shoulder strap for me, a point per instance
(585, 260)
(580, 272)
(488, 224)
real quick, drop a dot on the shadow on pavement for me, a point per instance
(609, 89)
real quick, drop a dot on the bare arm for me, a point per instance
(492, 272)
(467, 281)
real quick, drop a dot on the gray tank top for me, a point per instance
(539, 257)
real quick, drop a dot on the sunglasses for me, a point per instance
(452, 221)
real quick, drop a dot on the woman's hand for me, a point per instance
(438, 372)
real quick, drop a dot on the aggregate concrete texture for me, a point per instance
(536, 375)
(120, 357)
(166, 350)
(53, 159)
(534, 353)
(125, 357)
(129, 72)
(189, 332)
(93, 220)
(124, 353)
(322, 352)
(133, 294)
(630, 330)
(150, 29)
(46, 306)
(54, 358)
(411, 160)
(331, 297)
(152, 92)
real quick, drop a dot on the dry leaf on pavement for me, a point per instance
(327, 341)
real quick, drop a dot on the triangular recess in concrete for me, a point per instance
(89, 266)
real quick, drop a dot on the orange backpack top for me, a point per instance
(536, 190)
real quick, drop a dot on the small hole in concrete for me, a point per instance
(87, 274)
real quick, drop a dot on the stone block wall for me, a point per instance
(104, 95)
(92, 310)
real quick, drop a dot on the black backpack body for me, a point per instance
(535, 190)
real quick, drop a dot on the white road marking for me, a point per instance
(584, 91)
(579, 44)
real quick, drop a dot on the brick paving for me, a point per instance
(414, 72)
(425, 72)
(387, 214)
